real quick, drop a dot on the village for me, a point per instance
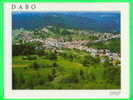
(58, 44)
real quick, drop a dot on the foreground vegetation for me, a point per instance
(65, 69)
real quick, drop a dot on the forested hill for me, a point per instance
(95, 21)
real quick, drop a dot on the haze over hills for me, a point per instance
(94, 21)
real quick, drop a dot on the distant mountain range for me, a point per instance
(94, 21)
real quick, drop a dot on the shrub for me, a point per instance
(24, 58)
(40, 52)
(81, 73)
(51, 77)
(35, 65)
(70, 78)
(89, 60)
(33, 57)
(112, 74)
(91, 77)
(52, 56)
(55, 64)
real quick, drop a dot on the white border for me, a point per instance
(40, 94)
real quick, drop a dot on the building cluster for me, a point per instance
(59, 43)
(102, 53)
(105, 37)
(80, 45)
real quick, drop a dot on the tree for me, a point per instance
(89, 60)
(112, 74)
(71, 57)
(52, 56)
(40, 52)
(35, 65)
(92, 77)
(32, 57)
(81, 72)
(55, 64)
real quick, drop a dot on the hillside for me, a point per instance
(66, 51)
(98, 22)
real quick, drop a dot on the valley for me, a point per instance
(64, 61)
(66, 51)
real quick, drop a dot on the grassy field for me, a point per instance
(66, 71)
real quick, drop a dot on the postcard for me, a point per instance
(66, 50)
